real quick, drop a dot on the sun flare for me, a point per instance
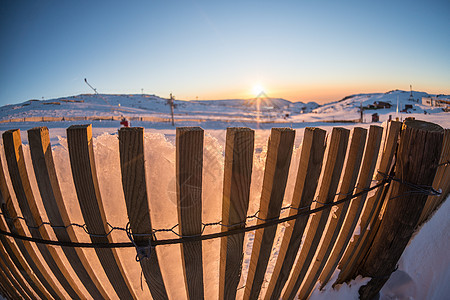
(258, 89)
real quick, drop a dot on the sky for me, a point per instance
(297, 50)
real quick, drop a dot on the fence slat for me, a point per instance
(8, 284)
(46, 177)
(27, 203)
(131, 146)
(372, 207)
(236, 191)
(356, 205)
(310, 165)
(276, 172)
(25, 247)
(81, 153)
(441, 180)
(332, 173)
(14, 277)
(189, 164)
(418, 155)
(13, 253)
(352, 167)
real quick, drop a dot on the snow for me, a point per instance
(424, 268)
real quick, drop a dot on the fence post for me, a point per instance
(131, 146)
(9, 249)
(335, 222)
(27, 203)
(81, 153)
(310, 166)
(356, 205)
(417, 159)
(44, 168)
(13, 276)
(317, 222)
(278, 161)
(189, 167)
(236, 191)
(371, 209)
(441, 181)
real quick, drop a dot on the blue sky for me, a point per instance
(298, 50)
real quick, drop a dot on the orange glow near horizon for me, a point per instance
(320, 93)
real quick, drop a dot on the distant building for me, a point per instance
(375, 117)
(382, 104)
(436, 101)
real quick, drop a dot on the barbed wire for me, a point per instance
(145, 246)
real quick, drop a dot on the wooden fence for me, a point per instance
(403, 166)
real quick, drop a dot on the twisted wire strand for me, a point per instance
(144, 248)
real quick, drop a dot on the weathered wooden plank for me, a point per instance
(25, 247)
(445, 181)
(13, 276)
(13, 253)
(357, 204)
(441, 180)
(189, 164)
(131, 146)
(330, 180)
(372, 207)
(236, 192)
(8, 285)
(310, 165)
(81, 153)
(27, 203)
(276, 172)
(47, 180)
(418, 156)
(347, 186)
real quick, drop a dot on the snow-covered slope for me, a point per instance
(270, 109)
(149, 105)
(349, 107)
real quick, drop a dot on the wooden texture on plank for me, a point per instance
(27, 203)
(372, 206)
(8, 284)
(239, 149)
(131, 147)
(356, 205)
(13, 253)
(15, 226)
(279, 153)
(189, 167)
(13, 276)
(47, 181)
(7, 287)
(441, 181)
(418, 156)
(327, 192)
(347, 186)
(81, 153)
(310, 166)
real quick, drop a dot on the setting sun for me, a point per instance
(258, 89)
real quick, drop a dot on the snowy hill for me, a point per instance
(349, 107)
(146, 105)
(271, 109)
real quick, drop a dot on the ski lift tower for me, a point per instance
(361, 112)
(172, 105)
(411, 97)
